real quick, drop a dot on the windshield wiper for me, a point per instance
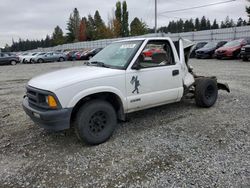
(98, 63)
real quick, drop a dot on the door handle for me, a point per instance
(175, 72)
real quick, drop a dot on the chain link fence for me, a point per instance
(196, 36)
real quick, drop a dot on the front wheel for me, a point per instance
(244, 58)
(206, 92)
(40, 61)
(95, 122)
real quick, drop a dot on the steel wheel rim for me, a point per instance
(209, 93)
(98, 122)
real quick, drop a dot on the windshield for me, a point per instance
(233, 43)
(117, 54)
(41, 54)
(210, 45)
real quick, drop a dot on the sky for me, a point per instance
(34, 19)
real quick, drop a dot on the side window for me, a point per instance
(156, 53)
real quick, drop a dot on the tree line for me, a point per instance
(93, 27)
(199, 24)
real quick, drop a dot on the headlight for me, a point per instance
(51, 101)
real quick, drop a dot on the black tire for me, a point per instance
(12, 62)
(244, 58)
(40, 60)
(61, 59)
(95, 122)
(206, 92)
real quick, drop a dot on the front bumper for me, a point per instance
(54, 120)
(203, 55)
(245, 54)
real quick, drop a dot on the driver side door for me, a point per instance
(157, 81)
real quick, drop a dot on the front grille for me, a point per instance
(36, 98)
(200, 52)
(247, 49)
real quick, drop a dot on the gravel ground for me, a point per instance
(176, 145)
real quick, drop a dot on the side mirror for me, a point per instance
(136, 65)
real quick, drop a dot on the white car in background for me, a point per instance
(22, 56)
(27, 59)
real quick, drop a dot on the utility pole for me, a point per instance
(155, 16)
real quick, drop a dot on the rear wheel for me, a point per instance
(95, 122)
(61, 59)
(206, 92)
(13, 62)
(40, 60)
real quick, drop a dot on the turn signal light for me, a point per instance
(52, 102)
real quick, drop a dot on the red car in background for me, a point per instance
(150, 52)
(231, 49)
(78, 55)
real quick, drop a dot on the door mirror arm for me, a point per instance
(136, 65)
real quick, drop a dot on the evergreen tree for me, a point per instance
(163, 30)
(73, 26)
(125, 29)
(239, 22)
(100, 28)
(138, 27)
(47, 41)
(244, 23)
(197, 24)
(118, 19)
(208, 24)
(57, 36)
(215, 25)
(222, 25)
(227, 22)
(248, 13)
(186, 26)
(180, 26)
(191, 25)
(203, 23)
(90, 28)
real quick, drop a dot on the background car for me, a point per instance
(196, 47)
(78, 55)
(150, 52)
(70, 55)
(245, 52)
(23, 55)
(208, 50)
(231, 49)
(8, 59)
(27, 59)
(88, 55)
(49, 57)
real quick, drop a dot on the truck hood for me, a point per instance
(65, 77)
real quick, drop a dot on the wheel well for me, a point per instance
(112, 98)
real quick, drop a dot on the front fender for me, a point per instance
(95, 90)
(223, 86)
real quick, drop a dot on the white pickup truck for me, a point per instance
(126, 76)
